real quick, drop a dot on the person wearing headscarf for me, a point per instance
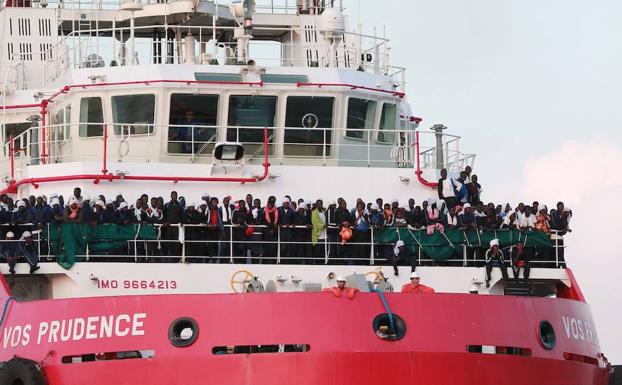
(21, 215)
(495, 258)
(73, 211)
(9, 251)
(402, 254)
(509, 221)
(28, 249)
(543, 219)
(434, 218)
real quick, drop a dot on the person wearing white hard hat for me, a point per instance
(28, 249)
(415, 287)
(495, 258)
(9, 251)
(342, 289)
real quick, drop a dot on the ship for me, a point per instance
(282, 99)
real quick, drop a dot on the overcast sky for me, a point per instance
(534, 89)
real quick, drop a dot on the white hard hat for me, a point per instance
(414, 274)
(474, 289)
(26, 234)
(10, 234)
(494, 242)
(399, 243)
(341, 278)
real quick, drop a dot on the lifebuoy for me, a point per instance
(22, 371)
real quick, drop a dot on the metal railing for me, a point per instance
(324, 146)
(233, 246)
(95, 48)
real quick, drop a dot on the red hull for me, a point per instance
(343, 346)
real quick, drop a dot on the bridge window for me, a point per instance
(133, 114)
(361, 116)
(192, 123)
(308, 120)
(218, 77)
(91, 117)
(256, 112)
(281, 78)
(388, 121)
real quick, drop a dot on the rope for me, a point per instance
(6, 308)
(388, 310)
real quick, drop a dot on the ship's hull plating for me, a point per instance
(343, 346)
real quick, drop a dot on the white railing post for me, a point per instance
(230, 243)
(371, 257)
(278, 244)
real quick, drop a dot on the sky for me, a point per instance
(533, 87)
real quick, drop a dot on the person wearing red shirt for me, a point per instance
(415, 287)
(342, 289)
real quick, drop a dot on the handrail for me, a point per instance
(96, 178)
(418, 172)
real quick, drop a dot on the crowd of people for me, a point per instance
(306, 230)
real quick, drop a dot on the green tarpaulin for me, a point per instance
(443, 246)
(70, 239)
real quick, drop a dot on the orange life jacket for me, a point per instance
(416, 289)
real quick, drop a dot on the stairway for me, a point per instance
(511, 287)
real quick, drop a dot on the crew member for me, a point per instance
(341, 288)
(415, 287)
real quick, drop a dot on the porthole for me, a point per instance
(381, 326)
(183, 332)
(546, 334)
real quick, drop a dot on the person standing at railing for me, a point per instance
(22, 215)
(192, 216)
(226, 215)
(474, 190)
(243, 220)
(495, 258)
(527, 221)
(318, 232)
(286, 221)
(28, 249)
(342, 215)
(5, 209)
(302, 233)
(270, 219)
(416, 219)
(447, 188)
(41, 213)
(73, 212)
(214, 229)
(172, 216)
(9, 251)
(332, 231)
(560, 222)
(361, 237)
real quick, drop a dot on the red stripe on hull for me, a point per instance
(370, 368)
